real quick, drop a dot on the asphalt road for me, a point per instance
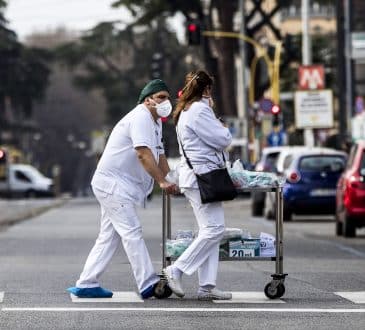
(41, 257)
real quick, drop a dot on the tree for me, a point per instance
(220, 66)
(118, 62)
(24, 71)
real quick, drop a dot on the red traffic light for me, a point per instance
(275, 110)
(192, 27)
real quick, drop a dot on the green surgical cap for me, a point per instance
(154, 86)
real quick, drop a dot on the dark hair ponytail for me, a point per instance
(195, 84)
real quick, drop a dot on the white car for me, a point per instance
(26, 180)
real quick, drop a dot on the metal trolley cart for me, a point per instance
(275, 288)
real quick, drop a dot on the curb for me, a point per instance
(31, 213)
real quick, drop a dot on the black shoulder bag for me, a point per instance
(214, 186)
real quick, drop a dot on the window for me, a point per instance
(22, 177)
(287, 161)
(322, 163)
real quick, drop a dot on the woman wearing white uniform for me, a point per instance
(204, 139)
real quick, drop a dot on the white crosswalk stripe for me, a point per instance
(249, 297)
(1, 297)
(118, 297)
(357, 297)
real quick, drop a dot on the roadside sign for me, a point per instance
(358, 127)
(313, 109)
(311, 77)
(266, 105)
(358, 45)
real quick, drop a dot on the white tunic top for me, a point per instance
(119, 170)
(204, 138)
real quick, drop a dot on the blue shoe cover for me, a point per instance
(148, 293)
(97, 292)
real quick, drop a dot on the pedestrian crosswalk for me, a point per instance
(238, 297)
(357, 297)
(118, 297)
(249, 297)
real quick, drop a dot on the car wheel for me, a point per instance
(339, 226)
(287, 215)
(258, 204)
(31, 194)
(349, 229)
(258, 208)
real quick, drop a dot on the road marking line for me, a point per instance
(1, 297)
(118, 297)
(211, 310)
(357, 297)
(249, 297)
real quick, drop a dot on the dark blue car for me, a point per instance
(311, 179)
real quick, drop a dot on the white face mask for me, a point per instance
(164, 108)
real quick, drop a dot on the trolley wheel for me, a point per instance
(273, 292)
(162, 290)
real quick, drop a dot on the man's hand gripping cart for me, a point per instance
(275, 288)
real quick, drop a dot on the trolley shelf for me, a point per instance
(275, 288)
(236, 259)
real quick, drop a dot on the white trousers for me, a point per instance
(203, 253)
(119, 223)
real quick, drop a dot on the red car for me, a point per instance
(350, 194)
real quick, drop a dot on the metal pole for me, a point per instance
(341, 68)
(306, 58)
(246, 113)
(348, 57)
(279, 230)
(164, 219)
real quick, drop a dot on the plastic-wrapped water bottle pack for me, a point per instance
(176, 247)
(248, 179)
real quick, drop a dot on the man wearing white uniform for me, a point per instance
(132, 158)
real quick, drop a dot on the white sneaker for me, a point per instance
(174, 282)
(214, 294)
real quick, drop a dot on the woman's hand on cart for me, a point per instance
(170, 188)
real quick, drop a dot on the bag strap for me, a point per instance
(185, 155)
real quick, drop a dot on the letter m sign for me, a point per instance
(311, 77)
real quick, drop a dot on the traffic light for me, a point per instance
(193, 33)
(275, 111)
(3, 156)
(157, 66)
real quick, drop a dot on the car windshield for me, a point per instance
(271, 160)
(322, 163)
(33, 173)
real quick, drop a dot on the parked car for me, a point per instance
(350, 198)
(266, 163)
(283, 162)
(25, 181)
(311, 180)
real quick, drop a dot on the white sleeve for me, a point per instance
(208, 128)
(141, 131)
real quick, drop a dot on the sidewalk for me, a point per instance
(15, 210)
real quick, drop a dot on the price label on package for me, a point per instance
(241, 253)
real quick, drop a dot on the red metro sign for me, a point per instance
(311, 77)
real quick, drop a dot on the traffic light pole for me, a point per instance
(307, 60)
(245, 113)
(273, 66)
